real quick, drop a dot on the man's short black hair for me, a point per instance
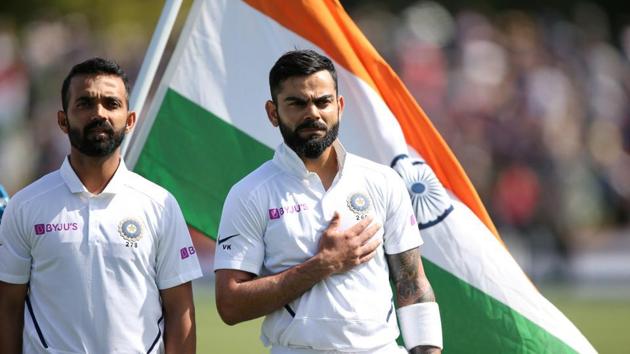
(94, 66)
(298, 63)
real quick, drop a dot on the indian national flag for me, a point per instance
(207, 128)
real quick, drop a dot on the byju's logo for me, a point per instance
(41, 229)
(276, 213)
(186, 252)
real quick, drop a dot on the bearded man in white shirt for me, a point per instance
(93, 257)
(311, 238)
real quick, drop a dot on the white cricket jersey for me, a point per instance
(95, 264)
(273, 220)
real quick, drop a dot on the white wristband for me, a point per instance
(420, 324)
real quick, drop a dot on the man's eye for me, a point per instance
(113, 104)
(322, 103)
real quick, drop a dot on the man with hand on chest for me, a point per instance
(311, 238)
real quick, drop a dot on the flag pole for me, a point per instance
(150, 63)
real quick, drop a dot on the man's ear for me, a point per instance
(272, 112)
(62, 121)
(341, 103)
(131, 121)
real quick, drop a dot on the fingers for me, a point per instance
(334, 222)
(369, 250)
(367, 233)
(369, 245)
(360, 226)
(351, 247)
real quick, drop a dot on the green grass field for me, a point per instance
(604, 322)
(215, 337)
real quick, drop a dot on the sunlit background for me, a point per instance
(533, 100)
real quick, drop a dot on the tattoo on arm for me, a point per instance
(411, 284)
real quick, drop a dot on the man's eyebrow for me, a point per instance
(295, 99)
(107, 97)
(113, 98)
(324, 97)
(316, 99)
(84, 98)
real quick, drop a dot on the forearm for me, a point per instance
(246, 299)
(179, 320)
(412, 287)
(415, 291)
(242, 297)
(12, 299)
(11, 327)
(179, 335)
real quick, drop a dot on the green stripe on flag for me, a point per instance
(197, 157)
(481, 316)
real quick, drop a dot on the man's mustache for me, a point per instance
(311, 124)
(102, 125)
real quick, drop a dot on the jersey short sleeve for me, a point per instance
(240, 242)
(177, 261)
(401, 228)
(15, 253)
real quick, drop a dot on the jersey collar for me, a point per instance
(117, 182)
(76, 186)
(289, 161)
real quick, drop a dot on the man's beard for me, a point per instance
(96, 145)
(313, 146)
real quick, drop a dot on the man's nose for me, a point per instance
(99, 112)
(312, 111)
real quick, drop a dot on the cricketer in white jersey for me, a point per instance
(311, 238)
(95, 263)
(93, 257)
(272, 220)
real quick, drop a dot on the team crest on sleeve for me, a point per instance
(131, 230)
(359, 203)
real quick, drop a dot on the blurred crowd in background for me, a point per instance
(534, 104)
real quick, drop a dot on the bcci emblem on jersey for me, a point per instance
(131, 230)
(359, 204)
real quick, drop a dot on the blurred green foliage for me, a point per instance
(102, 15)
